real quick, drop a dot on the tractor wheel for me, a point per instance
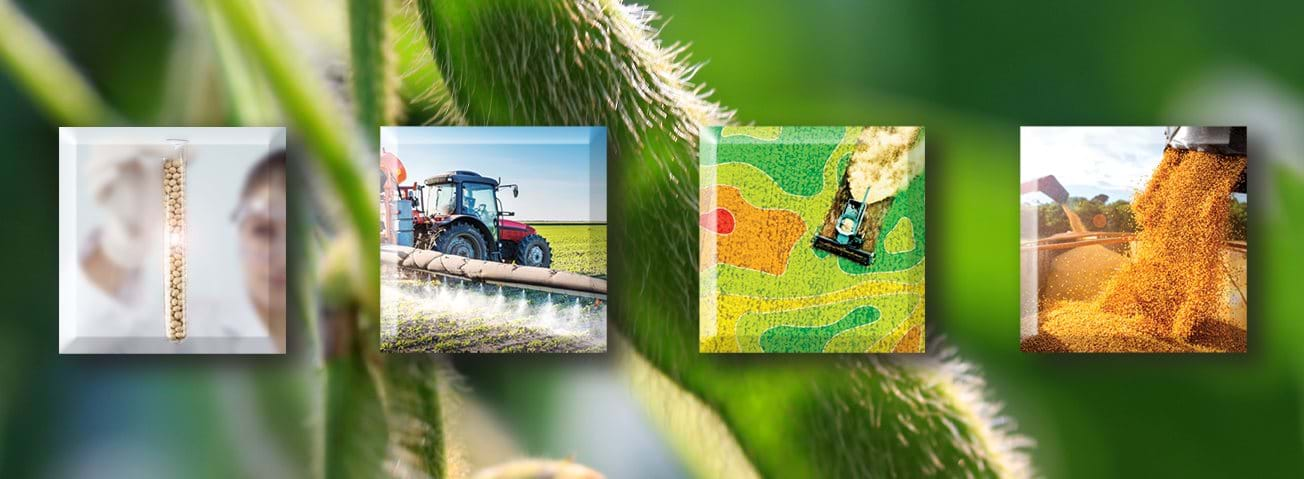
(460, 239)
(533, 250)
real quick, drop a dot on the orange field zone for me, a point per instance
(761, 239)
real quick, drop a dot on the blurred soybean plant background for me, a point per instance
(334, 70)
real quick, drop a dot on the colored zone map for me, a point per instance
(765, 193)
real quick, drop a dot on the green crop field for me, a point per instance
(432, 316)
(458, 317)
(577, 248)
(450, 333)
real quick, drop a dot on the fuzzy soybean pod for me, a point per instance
(598, 62)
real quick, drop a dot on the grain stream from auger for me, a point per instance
(1170, 296)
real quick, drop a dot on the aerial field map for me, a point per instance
(812, 239)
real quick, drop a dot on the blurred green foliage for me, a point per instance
(970, 72)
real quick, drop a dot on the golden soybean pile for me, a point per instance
(1081, 273)
(174, 197)
(1176, 282)
(1171, 297)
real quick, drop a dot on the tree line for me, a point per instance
(1099, 214)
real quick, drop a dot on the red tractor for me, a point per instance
(459, 213)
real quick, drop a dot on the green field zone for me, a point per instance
(577, 248)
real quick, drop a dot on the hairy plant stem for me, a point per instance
(598, 62)
(374, 85)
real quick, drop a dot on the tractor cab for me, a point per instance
(463, 194)
(465, 218)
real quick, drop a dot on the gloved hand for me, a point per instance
(126, 187)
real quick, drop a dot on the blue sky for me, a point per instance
(562, 171)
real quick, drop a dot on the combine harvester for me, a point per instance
(848, 242)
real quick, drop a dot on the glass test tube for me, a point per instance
(174, 263)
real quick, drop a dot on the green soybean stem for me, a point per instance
(249, 103)
(38, 66)
(305, 101)
(367, 41)
(599, 62)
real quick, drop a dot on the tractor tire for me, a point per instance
(461, 239)
(533, 250)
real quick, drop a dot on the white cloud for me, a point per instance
(1090, 160)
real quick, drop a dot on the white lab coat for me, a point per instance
(131, 320)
